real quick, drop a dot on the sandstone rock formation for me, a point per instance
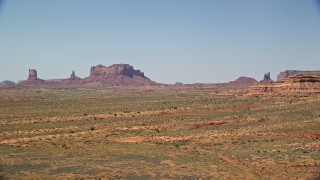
(287, 73)
(299, 83)
(266, 77)
(116, 69)
(117, 74)
(243, 81)
(114, 75)
(33, 79)
(73, 76)
(33, 75)
(72, 80)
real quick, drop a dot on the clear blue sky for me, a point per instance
(170, 40)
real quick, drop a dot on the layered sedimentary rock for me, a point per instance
(287, 73)
(117, 74)
(116, 69)
(299, 83)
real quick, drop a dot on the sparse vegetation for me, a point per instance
(166, 133)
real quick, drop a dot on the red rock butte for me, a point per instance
(114, 75)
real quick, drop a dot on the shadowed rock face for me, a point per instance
(299, 83)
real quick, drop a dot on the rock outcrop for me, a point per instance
(116, 69)
(267, 78)
(114, 75)
(242, 81)
(72, 80)
(74, 77)
(33, 75)
(117, 74)
(33, 79)
(299, 83)
(287, 73)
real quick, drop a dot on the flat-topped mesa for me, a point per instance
(116, 69)
(117, 75)
(287, 73)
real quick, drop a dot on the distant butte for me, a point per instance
(267, 78)
(114, 75)
(117, 74)
(243, 81)
(72, 80)
(33, 79)
(74, 77)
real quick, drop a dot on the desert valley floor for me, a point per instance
(157, 133)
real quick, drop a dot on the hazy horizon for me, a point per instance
(170, 41)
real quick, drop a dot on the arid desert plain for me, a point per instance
(157, 133)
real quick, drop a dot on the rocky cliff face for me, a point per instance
(299, 83)
(287, 73)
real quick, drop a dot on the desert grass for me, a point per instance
(157, 133)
